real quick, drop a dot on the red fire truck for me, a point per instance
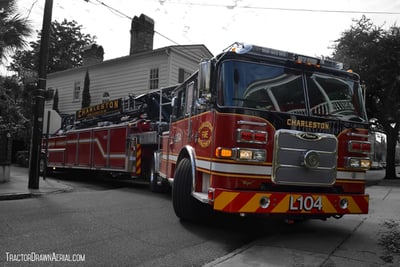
(263, 131)
(253, 131)
(117, 137)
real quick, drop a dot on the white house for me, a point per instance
(143, 70)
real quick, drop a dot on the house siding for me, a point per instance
(123, 76)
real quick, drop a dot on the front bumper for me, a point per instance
(253, 202)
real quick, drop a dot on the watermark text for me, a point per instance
(44, 257)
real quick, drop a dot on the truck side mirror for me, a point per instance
(174, 107)
(202, 103)
(204, 78)
(173, 102)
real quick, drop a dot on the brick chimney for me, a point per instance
(142, 33)
(92, 54)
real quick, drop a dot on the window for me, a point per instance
(262, 87)
(153, 78)
(282, 89)
(189, 101)
(180, 104)
(77, 91)
(183, 75)
(106, 97)
(335, 96)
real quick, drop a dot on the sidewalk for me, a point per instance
(366, 240)
(17, 187)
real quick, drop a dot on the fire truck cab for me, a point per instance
(263, 131)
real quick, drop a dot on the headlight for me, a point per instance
(245, 154)
(250, 154)
(358, 163)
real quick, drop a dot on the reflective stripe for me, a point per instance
(138, 159)
(249, 202)
(236, 168)
(351, 175)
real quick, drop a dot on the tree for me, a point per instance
(65, 49)
(13, 29)
(55, 101)
(13, 116)
(86, 93)
(374, 53)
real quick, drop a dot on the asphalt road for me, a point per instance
(118, 224)
(124, 224)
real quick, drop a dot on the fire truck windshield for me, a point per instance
(278, 88)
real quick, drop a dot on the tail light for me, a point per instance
(359, 147)
(251, 136)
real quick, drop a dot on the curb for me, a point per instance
(230, 255)
(13, 196)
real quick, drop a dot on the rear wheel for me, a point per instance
(43, 167)
(185, 206)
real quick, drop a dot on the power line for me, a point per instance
(235, 5)
(30, 10)
(113, 10)
(119, 13)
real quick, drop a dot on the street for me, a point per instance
(123, 224)
(115, 224)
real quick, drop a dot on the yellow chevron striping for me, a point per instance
(327, 206)
(283, 205)
(138, 159)
(224, 199)
(353, 207)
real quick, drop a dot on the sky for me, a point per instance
(308, 27)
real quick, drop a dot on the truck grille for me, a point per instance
(302, 158)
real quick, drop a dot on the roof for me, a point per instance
(183, 49)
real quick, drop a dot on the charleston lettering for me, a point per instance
(308, 124)
(98, 109)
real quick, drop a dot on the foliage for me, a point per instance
(374, 53)
(66, 44)
(390, 240)
(65, 51)
(13, 116)
(86, 92)
(13, 29)
(55, 101)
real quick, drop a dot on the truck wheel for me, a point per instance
(157, 185)
(185, 206)
(42, 168)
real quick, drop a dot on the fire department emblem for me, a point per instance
(205, 134)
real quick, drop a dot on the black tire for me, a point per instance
(186, 207)
(156, 183)
(42, 164)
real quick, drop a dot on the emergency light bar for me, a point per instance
(241, 48)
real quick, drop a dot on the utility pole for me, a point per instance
(39, 99)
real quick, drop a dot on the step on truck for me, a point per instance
(263, 131)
